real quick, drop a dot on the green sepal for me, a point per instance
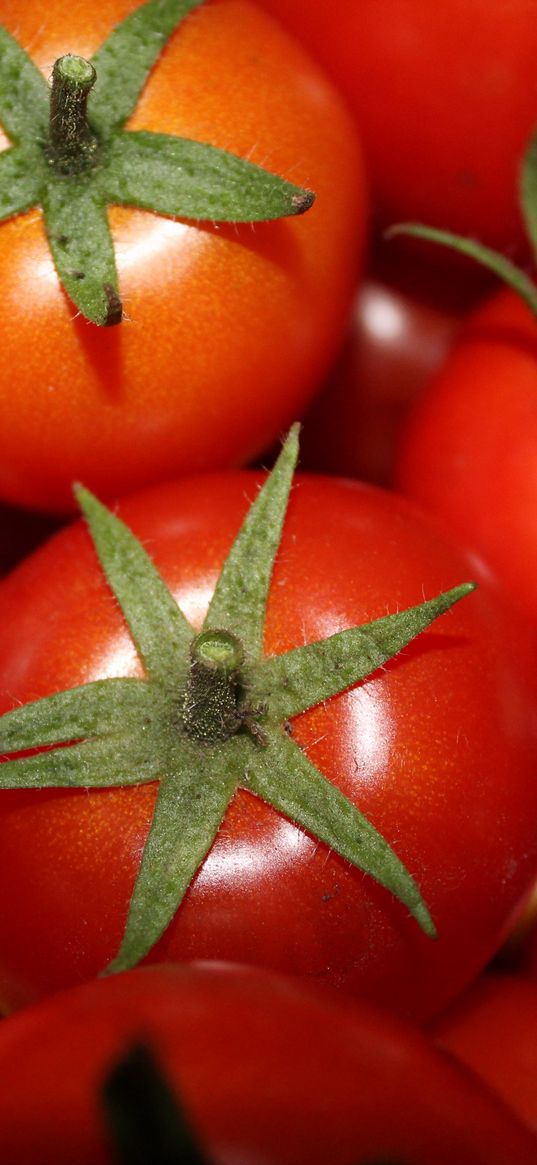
(284, 777)
(291, 683)
(188, 179)
(95, 709)
(22, 177)
(187, 815)
(161, 633)
(125, 59)
(82, 248)
(24, 93)
(240, 595)
(511, 275)
(114, 760)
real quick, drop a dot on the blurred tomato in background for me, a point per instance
(445, 96)
(405, 319)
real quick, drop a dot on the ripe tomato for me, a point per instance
(404, 321)
(470, 449)
(229, 328)
(491, 1030)
(265, 1071)
(423, 81)
(438, 750)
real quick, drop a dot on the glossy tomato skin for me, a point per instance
(469, 453)
(424, 81)
(268, 1073)
(438, 751)
(491, 1030)
(228, 329)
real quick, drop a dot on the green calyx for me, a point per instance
(72, 157)
(211, 715)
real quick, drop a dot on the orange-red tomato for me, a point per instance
(228, 329)
(444, 94)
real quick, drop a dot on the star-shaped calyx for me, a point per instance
(211, 715)
(72, 157)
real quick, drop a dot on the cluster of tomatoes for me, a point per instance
(292, 1011)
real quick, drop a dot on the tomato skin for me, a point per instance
(268, 1073)
(192, 378)
(491, 1030)
(469, 452)
(405, 319)
(424, 80)
(437, 750)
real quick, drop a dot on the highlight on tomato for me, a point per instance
(310, 744)
(139, 188)
(240, 1064)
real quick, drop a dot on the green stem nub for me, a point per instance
(211, 710)
(73, 146)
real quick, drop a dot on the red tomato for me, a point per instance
(424, 80)
(470, 450)
(437, 749)
(268, 1073)
(404, 322)
(228, 329)
(492, 1030)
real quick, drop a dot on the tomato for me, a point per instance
(470, 450)
(424, 80)
(491, 1030)
(404, 321)
(435, 749)
(228, 329)
(265, 1072)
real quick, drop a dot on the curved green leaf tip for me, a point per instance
(132, 731)
(492, 260)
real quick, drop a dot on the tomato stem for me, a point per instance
(73, 146)
(211, 704)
